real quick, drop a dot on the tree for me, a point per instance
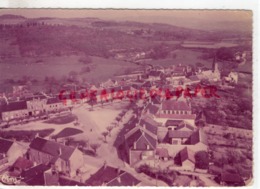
(68, 141)
(105, 133)
(118, 118)
(202, 160)
(109, 129)
(95, 146)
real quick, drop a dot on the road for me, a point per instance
(205, 177)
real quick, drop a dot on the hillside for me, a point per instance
(48, 36)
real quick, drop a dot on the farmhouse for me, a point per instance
(110, 176)
(36, 106)
(9, 151)
(187, 159)
(66, 159)
(14, 110)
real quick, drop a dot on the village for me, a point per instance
(144, 128)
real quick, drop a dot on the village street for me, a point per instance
(99, 119)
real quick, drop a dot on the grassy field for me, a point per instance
(22, 135)
(67, 132)
(58, 67)
(62, 119)
(184, 57)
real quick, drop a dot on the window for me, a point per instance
(174, 141)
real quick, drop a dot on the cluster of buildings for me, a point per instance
(33, 106)
(48, 163)
(164, 130)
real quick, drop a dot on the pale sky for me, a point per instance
(175, 17)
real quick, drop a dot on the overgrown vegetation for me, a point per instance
(62, 119)
(167, 176)
(25, 136)
(67, 132)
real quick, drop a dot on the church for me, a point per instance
(211, 74)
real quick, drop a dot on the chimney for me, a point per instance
(134, 145)
(119, 179)
(105, 164)
(60, 152)
(118, 171)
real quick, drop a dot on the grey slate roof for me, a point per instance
(13, 106)
(111, 177)
(5, 145)
(52, 148)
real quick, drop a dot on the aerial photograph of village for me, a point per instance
(126, 97)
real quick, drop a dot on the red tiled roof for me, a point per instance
(175, 105)
(176, 116)
(22, 163)
(162, 152)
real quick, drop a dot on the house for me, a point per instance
(36, 105)
(109, 83)
(211, 74)
(154, 75)
(187, 159)
(63, 181)
(34, 176)
(173, 124)
(148, 125)
(175, 107)
(199, 141)
(175, 110)
(3, 159)
(110, 176)
(140, 145)
(178, 137)
(14, 110)
(178, 71)
(162, 154)
(54, 105)
(10, 150)
(185, 127)
(20, 165)
(232, 77)
(231, 179)
(65, 159)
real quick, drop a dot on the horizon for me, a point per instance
(183, 18)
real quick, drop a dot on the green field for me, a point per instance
(101, 68)
(184, 57)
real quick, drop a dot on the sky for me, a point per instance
(184, 18)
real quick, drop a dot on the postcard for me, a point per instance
(112, 97)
